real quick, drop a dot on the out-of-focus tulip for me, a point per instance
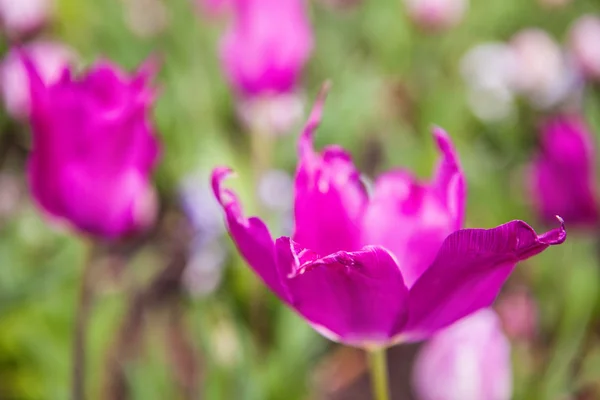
(341, 5)
(470, 360)
(436, 14)
(395, 266)
(518, 313)
(490, 72)
(146, 18)
(555, 3)
(563, 178)
(213, 8)
(274, 114)
(583, 40)
(546, 76)
(50, 60)
(94, 149)
(208, 254)
(19, 17)
(267, 46)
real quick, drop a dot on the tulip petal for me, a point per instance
(449, 182)
(250, 235)
(352, 297)
(468, 273)
(329, 195)
(412, 219)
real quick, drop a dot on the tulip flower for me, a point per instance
(267, 47)
(393, 267)
(470, 360)
(49, 58)
(436, 14)
(583, 35)
(519, 315)
(93, 149)
(563, 178)
(19, 17)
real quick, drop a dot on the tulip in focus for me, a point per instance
(436, 14)
(370, 271)
(470, 360)
(50, 60)
(563, 177)
(19, 17)
(93, 149)
(584, 38)
(267, 46)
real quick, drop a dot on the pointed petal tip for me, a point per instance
(219, 174)
(442, 139)
(556, 235)
(314, 118)
(150, 67)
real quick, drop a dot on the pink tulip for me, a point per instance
(563, 179)
(374, 270)
(50, 60)
(470, 360)
(583, 39)
(436, 14)
(94, 149)
(267, 46)
(19, 17)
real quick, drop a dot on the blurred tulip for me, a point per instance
(341, 5)
(94, 149)
(213, 7)
(273, 114)
(50, 60)
(372, 271)
(436, 14)
(470, 360)
(518, 313)
(267, 47)
(490, 72)
(545, 75)
(563, 177)
(146, 18)
(584, 38)
(207, 256)
(20, 17)
(555, 3)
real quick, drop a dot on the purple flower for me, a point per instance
(469, 360)
(395, 266)
(268, 45)
(49, 58)
(563, 178)
(94, 149)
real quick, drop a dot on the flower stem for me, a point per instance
(379, 373)
(82, 312)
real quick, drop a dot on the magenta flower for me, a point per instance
(49, 58)
(563, 178)
(94, 149)
(267, 47)
(369, 271)
(469, 360)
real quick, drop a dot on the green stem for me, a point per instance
(379, 374)
(82, 314)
